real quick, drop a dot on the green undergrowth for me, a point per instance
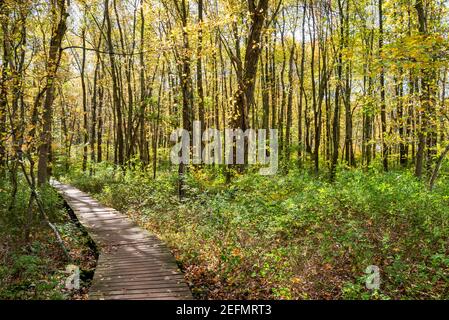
(35, 268)
(293, 236)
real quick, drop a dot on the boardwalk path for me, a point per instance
(133, 264)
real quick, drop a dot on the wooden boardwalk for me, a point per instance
(133, 264)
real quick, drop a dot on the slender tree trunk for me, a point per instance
(401, 123)
(199, 65)
(426, 132)
(100, 116)
(288, 138)
(143, 96)
(115, 95)
(94, 117)
(156, 127)
(438, 167)
(60, 15)
(383, 114)
(336, 119)
(3, 85)
(265, 79)
(186, 87)
(84, 89)
(301, 82)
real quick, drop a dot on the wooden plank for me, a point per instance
(133, 263)
(140, 277)
(127, 258)
(135, 255)
(109, 286)
(131, 269)
(144, 263)
(161, 271)
(149, 291)
(143, 296)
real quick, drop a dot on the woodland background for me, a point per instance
(91, 90)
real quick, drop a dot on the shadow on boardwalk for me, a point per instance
(133, 264)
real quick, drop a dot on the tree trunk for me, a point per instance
(84, 93)
(383, 114)
(3, 85)
(60, 15)
(426, 132)
(115, 95)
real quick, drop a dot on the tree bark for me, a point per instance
(60, 15)
(383, 114)
(115, 95)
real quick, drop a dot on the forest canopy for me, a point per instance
(90, 92)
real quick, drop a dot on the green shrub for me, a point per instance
(295, 235)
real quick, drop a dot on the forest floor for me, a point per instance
(293, 236)
(37, 269)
